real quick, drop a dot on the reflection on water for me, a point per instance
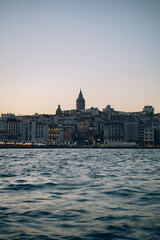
(79, 194)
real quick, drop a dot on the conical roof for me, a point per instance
(80, 96)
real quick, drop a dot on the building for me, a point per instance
(59, 111)
(131, 131)
(3, 130)
(14, 128)
(5, 116)
(157, 135)
(108, 109)
(55, 134)
(68, 130)
(148, 110)
(83, 129)
(141, 127)
(114, 131)
(35, 131)
(149, 136)
(67, 135)
(80, 102)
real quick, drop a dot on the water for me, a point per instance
(79, 194)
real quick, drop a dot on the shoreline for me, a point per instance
(71, 147)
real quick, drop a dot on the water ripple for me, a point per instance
(79, 194)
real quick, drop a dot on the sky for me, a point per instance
(49, 49)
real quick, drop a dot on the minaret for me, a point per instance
(80, 102)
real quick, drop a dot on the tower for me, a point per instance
(80, 102)
(59, 111)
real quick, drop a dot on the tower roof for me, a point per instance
(80, 96)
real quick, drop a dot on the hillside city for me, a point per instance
(83, 127)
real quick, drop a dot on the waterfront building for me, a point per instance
(35, 131)
(3, 130)
(157, 135)
(68, 130)
(149, 136)
(141, 127)
(14, 128)
(80, 102)
(55, 134)
(67, 135)
(131, 131)
(120, 133)
(114, 131)
(93, 132)
(83, 129)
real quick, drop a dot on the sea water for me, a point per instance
(79, 194)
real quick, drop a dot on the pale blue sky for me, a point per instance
(51, 48)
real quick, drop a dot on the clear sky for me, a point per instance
(51, 48)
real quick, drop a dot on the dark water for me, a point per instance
(79, 194)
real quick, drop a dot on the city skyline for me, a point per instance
(80, 106)
(49, 49)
